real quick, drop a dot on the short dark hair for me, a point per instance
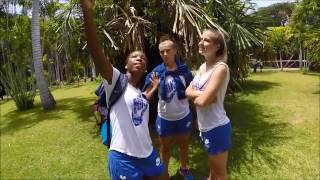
(167, 38)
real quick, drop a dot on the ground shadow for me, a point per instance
(268, 72)
(74, 85)
(254, 134)
(197, 158)
(256, 87)
(317, 74)
(82, 107)
(316, 92)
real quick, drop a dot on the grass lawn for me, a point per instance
(275, 124)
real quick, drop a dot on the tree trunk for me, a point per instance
(85, 74)
(93, 71)
(300, 54)
(46, 97)
(276, 61)
(67, 72)
(281, 66)
(57, 68)
(305, 63)
(34, 85)
(49, 71)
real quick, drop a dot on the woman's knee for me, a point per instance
(165, 143)
(218, 165)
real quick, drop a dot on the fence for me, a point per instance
(285, 63)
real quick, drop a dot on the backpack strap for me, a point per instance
(101, 93)
(117, 92)
(118, 89)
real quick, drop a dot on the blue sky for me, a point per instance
(265, 3)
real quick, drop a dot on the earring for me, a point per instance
(126, 67)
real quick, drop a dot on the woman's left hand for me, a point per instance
(155, 81)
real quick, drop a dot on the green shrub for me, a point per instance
(18, 85)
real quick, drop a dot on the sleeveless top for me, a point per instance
(214, 114)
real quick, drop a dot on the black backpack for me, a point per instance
(104, 107)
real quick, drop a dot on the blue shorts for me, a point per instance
(169, 128)
(217, 140)
(122, 166)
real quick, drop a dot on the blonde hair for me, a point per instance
(219, 38)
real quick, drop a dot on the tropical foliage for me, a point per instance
(276, 14)
(126, 25)
(281, 43)
(292, 32)
(182, 20)
(305, 21)
(244, 34)
(19, 85)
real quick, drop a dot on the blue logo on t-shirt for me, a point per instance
(140, 105)
(171, 90)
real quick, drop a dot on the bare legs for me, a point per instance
(183, 142)
(165, 149)
(218, 166)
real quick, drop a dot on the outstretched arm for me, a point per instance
(100, 60)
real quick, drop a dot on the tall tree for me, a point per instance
(140, 23)
(244, 31)
(276, 15)
(14, 74)
(305, 21)
(46, 97)
(281, 41)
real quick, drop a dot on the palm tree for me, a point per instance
(46, 97)
(305, 21)
(244, 31)
(138, 24)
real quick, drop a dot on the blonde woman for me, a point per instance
(207, 91)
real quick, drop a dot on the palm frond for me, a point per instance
(189, 20)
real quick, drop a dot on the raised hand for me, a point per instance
(99, 58)
(153, 86)
(155, 81)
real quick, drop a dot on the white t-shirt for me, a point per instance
(174, 108)
(213, 115)
(129, 121)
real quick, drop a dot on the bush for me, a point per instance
(19, 86)
(314, 66)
